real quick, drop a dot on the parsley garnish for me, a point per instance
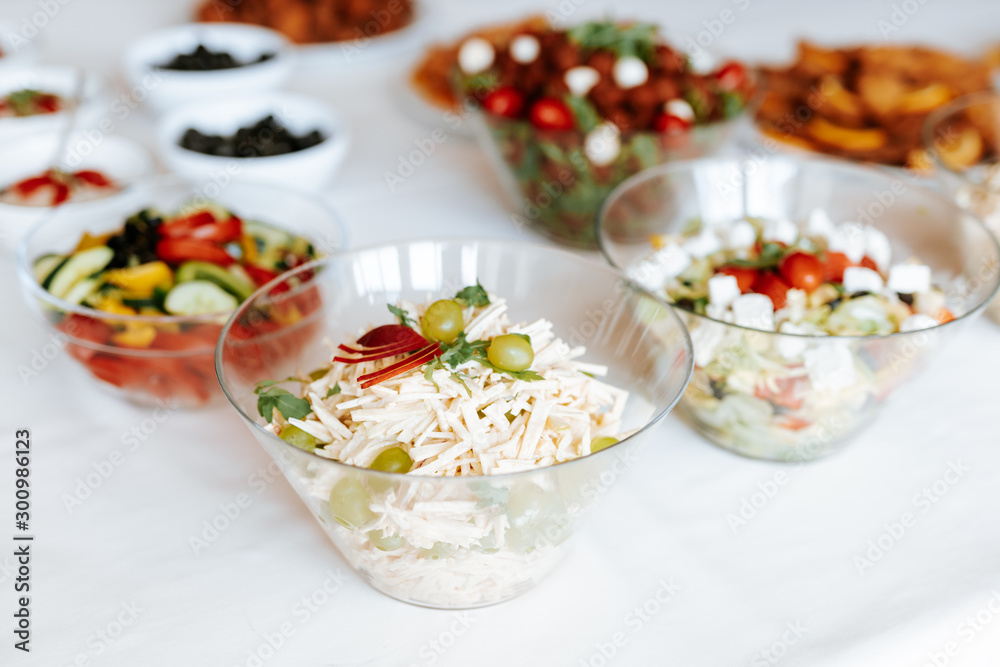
(473, 296)
(404, 319)
(271, 398)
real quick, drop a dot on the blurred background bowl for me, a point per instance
(120, 159)
(166, 89)
(178, 371)
(308, 169)
(642, 342)
(963, 139)
(61, 81)
(746, 395)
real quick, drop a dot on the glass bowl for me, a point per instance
(177, 368)
(556, 190)
(776, 395)
(461, 541)
(963, 140)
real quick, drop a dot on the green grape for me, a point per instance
(293, 435)
(385, 542)
(349, 503)
(597, 444)
(394, 459)
(443, 321)
(510, 352)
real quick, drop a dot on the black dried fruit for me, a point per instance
(203, 59)
(265, 138)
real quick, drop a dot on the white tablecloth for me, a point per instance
(663, 574)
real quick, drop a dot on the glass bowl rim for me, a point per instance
(463, 241)
(741, 160)
(27, 277)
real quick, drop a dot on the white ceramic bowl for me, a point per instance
(166, 89)
(308, 169)
(17, 43)
(60, 81)
(123, 160)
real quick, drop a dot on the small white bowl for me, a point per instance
(122, 160)
(17, 43)
(166, 89)
(308, 169)
(61, 81)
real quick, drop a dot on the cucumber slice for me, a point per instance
(227, 280)
(52, 274)
(78, 267)
(45, 266)
(199, 297)
(140, 303)
(82, 290)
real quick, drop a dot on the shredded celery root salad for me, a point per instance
(771, 396)
(455, 388)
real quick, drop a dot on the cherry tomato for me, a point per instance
(670, 124)
(869, 263)
(745, 276)
(175, 251)
(833, 270)
(184, 226)
(220, 232)
(802, 270)
(551, 114)
(772, 286)
(507, 102)
(731, 76)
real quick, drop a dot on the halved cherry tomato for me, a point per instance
(670, 124)
(802, 270)
(95, 178)
(833, 270)
(551, 114)
(47, 103)
(176, 251)
(184, 226)
(731, 76)
(219, 232)
(507, 102)
(869, 263)
(61, 195)
(259, 274)
(772, 286)
(30, 185)
(745, 276)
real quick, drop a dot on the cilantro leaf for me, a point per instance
(333, 391)
(282, 400)
(404, 319)
(473, 296)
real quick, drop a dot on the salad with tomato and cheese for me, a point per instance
(55, 187)
(570, 113)
(454, 389)
(829, 297)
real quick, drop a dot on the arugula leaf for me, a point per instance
(587, 117)
(473, 296)
(526, 337)
(429, 369)
(638, 39)
(404, 319)
(282, 400)
(732, 104)
(333, 391)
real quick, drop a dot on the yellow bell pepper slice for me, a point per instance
(140, 280)
(110, 304)
(135, 335)
(88, 241)
(249, 245)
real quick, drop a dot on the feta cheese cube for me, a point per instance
(910, 278)
(741, 235)
(877, 247)
(755, 311)
(917, 322)
(722, 290)
(830, 367)
(668, 262)
(717, 312)
(781, 229)
(705, 339)
(849, 239)
(704, 244)
(791, 347)
(820, 224)
(861, 279)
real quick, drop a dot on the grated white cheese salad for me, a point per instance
(826, 287)
(458, 408)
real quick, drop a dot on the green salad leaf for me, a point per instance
(473, 296)
(271, 398)
(404, 319)
(637, 39)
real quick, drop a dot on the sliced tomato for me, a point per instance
(794, 423)
(833, 269)
(259, 274)
(669, 124)
(169, 340)
(47, 103)
(802, 270)
(786, 396)
(178, 250)
(31, 185)
(61, 195)
(507, 102)
(119, 371)
(731, 76)
(551, 114)
(184, 226)
(869, 263)
(772, 286)
(745, 276)
(91, 177)
(219, 232)
(86, 328)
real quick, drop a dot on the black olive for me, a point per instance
(905, 298)
(858, 295)
(718, 388)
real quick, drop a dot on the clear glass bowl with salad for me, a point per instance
(567, 115)
(137, 291)
(963, 140)
(813, 290)
(457, 423)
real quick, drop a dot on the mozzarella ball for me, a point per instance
(524, 49)
(630, 72)
(475, 55)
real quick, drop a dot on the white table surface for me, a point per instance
(123, 555)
